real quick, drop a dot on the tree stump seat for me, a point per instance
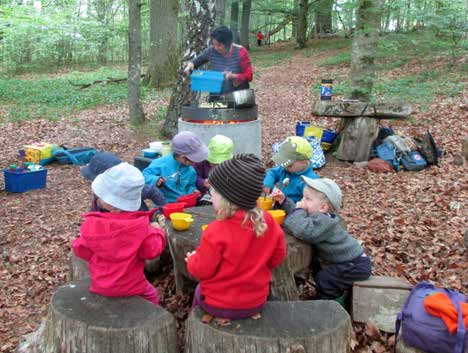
(320, 326)
(79, 321)
(283, 285)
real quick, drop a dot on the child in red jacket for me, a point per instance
(117, 243)
(240, 248)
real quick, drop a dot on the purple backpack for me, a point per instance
(427, 332)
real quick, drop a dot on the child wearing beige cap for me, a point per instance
(314, 221)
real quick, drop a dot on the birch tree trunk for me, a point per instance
(163, 59)
(246, 6)
(137, 116)
(200, 23)
(301, 37)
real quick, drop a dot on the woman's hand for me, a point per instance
(278, 196)
(189, 254)
(160, 182)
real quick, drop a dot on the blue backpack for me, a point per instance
(389, 154)
(427, 332)
(413, 161)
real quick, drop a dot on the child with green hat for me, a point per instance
(220, 149)
(293, 163)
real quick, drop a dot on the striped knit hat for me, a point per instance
(239, 180)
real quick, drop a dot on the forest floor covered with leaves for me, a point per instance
(411, 223)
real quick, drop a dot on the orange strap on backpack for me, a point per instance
(440, 305)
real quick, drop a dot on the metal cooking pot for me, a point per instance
(244, 98)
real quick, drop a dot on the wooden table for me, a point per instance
(283, 286)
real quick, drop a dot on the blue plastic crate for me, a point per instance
(21, 182)
(207, 81)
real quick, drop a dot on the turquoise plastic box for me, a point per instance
(207, 81)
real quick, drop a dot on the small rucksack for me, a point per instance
(387, 152)
(427, 332)
(413, 161)
(427, 148)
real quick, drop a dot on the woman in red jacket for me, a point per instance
(117, 242)
(240, 248)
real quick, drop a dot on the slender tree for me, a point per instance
(220, 12)
(200, 23)
(134, 61)
(235, 20)
(246, 6)
(301, 34)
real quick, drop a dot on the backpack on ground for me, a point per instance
(413, 161)
(427, 147)
(387, 152)
(427, 332)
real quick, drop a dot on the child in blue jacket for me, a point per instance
(174, 174)
(293, 162)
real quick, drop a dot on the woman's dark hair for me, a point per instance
(223, 35)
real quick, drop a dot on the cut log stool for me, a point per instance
(319, 326)
(283, 287)
(379, 300)
(82, 322)
(78, 267)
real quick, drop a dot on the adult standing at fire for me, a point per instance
(225, 56)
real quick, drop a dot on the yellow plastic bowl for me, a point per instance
(265, 203)
(181, 221)
(203, 227)
(278, 215)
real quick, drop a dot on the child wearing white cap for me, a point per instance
(116, 243)
(174, 174)
(314, 221)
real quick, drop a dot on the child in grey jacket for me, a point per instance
(314, 221)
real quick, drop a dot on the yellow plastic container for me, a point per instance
(203, 227)
(181, 221)
(278, 215)
(314, 130)
(38, 151)
(265, 203)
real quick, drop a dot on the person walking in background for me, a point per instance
(259, 38)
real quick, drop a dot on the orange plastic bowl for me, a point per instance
(190, 200)
(278, 215)
(265, 203)
(173, 207)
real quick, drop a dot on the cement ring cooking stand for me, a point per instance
(283, 286)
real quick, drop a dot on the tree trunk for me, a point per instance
(285, 327)
(360, 133)
(137, 116)
(82, 322)
(163, 58)
(235, 20)
(200, 24)
(220, 12)
(246, 6)
(301, 35)
(364, 46)
(323, 17)
(103, 8)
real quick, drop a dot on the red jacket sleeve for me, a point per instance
(81, 250)
(204, 263)
(246, 73)
(153, 245)
(279, 253)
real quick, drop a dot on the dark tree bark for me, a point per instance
(323, 17)
(235, 20)
(220, 12)
(163, 59)
(137, 116)
(200, 23)
(246, 6)
(301, 35)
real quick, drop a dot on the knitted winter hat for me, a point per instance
(239, 180)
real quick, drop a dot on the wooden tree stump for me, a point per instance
(82, 322)
(320, 326)
(78, 267)
(283, 287)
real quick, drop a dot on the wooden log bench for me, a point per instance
(320, 326)
(360, 123)
(283, 285)
(79, 321)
